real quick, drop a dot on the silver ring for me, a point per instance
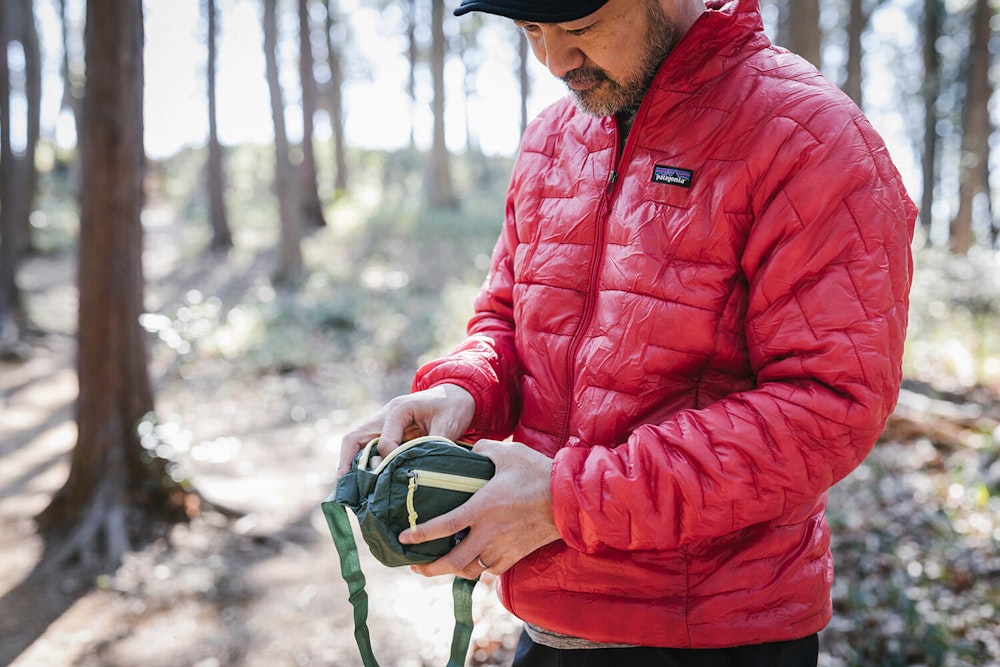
(482, 564)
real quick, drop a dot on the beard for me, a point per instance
(609, 96)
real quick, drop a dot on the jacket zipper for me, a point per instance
(588, 311)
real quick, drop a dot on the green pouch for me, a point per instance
(419, 480)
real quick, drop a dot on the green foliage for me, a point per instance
(916, 533)
(388, 280)
(954, 336)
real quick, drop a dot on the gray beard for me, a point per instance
(611, 97)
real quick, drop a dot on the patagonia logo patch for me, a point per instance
(672, 176)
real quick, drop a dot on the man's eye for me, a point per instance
(578, 31)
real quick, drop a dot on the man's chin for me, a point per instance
(594, 106)
(592, 102)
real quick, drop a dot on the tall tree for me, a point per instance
(114, 484)
(18, 176)
(412, 55)
(442, 191)
(9, 235)
(336, 98)
(974, 172)
(312, 209)
(290, 265)
(222, 237)
(804, 35)
(930, 91)
(857, 21)
(72, 75)
(523, 79)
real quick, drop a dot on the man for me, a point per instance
(691, 329)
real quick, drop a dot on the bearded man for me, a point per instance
(691, 329)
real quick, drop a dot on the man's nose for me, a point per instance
(561, 56)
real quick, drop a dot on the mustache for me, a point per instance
(585, 74)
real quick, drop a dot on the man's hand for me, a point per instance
(508, 518)
(445, 410)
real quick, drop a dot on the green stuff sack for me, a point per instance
(419, 480)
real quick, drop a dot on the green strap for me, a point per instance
(461, 593)
(350, 569)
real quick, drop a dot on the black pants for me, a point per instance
(797, 653)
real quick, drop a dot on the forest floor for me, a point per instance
(916, 528)
(261, 589)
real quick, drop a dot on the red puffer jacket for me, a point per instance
(705, 333)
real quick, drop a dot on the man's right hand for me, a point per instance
(445, 410)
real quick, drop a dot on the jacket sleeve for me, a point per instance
(828, 268)
(486, 363)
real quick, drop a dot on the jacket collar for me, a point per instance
(727, 31)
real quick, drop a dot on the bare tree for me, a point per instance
(290, 265)
(18, 176)
(312, 208)
(523, 79)
(974, 167)
(413, 55)
(335, 97)
(9, 235)
(222, 237)
(72, 75)
(114, 484)
(804, 35)
(857, 21)
(930, 90)
(442, 191)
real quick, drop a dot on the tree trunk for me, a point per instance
(111, 474)
(522, 76)
(857, 22)
(17, 168)
(930, 91)
(9, 294)
(33, 93)
(974, 167)
(312, 209)
(72, 91)
(290, 266)
(222, 237)
(442, 191)
(804, 36)
(412, 56)
(336, 100)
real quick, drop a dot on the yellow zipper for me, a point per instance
(437, 480)
(448, 481)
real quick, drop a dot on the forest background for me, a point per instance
(229, 228)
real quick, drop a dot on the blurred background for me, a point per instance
(231, 228)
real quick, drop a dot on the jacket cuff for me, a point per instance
(566, 511)
(493, 418)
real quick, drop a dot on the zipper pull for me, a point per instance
(612, 179)
(411, 512)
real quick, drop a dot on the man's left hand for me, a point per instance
(508, 518)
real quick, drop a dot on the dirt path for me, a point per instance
(262, 590)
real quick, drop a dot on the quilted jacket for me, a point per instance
(704, 332)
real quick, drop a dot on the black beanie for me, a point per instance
(539, 11)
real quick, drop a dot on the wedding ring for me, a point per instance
(482, 564)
